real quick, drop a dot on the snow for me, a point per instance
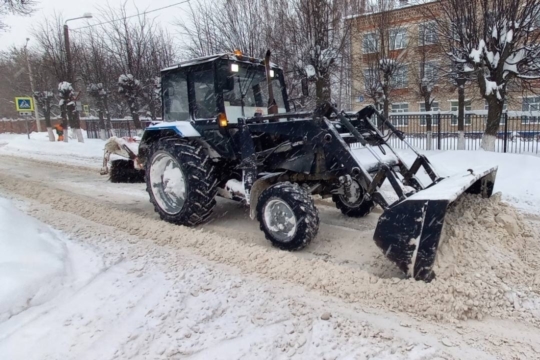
(87, 154)
(366, 158)
(517, 179)
(129, 286)
(33, 262)
(310, 71)
(509, 36)
(453, 186)
(130, 298)
(476, 54)
(64, 86)
(174, 181)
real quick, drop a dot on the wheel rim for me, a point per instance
(168, 183)
(280, 220)
(356, 198)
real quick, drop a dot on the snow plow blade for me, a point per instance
(410, 230)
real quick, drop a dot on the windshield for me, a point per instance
(250, 86)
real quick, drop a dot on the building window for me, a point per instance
(505, 108)
(370, 80)
(427, 34)
(430, 72)
(370, 43)
(400, 78)
(454, 105)
(398, 39)
(434, 119)
(532, 105)
(400, 120)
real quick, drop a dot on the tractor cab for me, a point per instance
(200, 90)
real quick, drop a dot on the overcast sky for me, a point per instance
(20, 27)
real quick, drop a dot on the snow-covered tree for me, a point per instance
(100, 96)
(132, 91)
(152, 94)
(384, 56)
(43, 99)
(319, 35)
(70, 114)
(498, 42)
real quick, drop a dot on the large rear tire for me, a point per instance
(181, 181)
(287, 216)
(356, 206)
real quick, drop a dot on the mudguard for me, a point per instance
(409, 231)
(182, 128)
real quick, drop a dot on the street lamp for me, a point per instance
(66, 41)
(36, 113)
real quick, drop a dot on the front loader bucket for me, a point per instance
(409, 231)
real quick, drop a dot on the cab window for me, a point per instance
(175, 97)
(205, 95)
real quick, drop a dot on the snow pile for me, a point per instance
(488, 257)
(32, 262)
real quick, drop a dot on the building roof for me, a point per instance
(400, 6)
(224, 56)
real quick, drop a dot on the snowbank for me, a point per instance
(517, 178)
(32, 262)
(38, 147)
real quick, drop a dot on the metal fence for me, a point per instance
(519, 132)
(121, 127)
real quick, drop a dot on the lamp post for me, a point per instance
(36, 113)
(66, 41)
(71, 77)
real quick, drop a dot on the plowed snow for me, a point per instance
(471, 289)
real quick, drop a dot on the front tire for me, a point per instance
(181, 181)
(287, 216)
(357, 206)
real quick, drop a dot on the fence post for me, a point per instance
(505, 130)
(439, 130)
(129, 129)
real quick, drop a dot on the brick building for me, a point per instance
(413, 41)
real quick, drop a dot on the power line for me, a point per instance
(132, 16)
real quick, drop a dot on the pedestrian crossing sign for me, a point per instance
(24, 104)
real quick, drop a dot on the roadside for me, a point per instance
(365, 318)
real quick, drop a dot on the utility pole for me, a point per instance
(68, 53)
(36, 111)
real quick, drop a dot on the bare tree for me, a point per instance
(138, 49)
(498, 42)
(132, 91)
(308, 38)
(383, 63)
(44, 99)
(18, 7)
(100, 95)
(426, 72)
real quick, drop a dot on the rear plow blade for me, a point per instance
(409, 231)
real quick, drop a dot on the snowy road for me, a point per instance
(162, 291)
